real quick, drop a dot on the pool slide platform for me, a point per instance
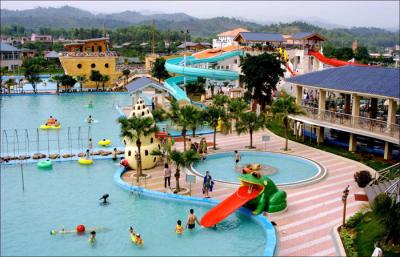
(176, 65)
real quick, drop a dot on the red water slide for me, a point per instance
(228, 206)
(332, 62)
(290, 70)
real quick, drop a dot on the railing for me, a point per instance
(357, 122)
(388, 173)
(88, 54)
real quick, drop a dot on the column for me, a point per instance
(322, 101)
(391, 119)
(299, 94)
(374, 108)
(352, 143)
(346, 104)
(320, 135)
(355, 111)
(387, 155)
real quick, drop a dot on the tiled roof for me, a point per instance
(141, 83)
(261, 36)
(215, 51)
(232, 33)
(363, 79)
(8, 48)
(305, 35)
(51, 54)
(189, 44)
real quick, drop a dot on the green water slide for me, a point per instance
(176, 65)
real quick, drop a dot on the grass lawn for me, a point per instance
(368, 231)
(377, 163)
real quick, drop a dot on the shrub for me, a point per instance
(382, 204)
(348, 243)
(354, 220)
(362, 178)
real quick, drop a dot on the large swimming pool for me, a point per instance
(283, 169)
(68, 195)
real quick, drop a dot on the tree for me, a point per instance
(283, 107)
(236, 106)
(344, 53)
(159, 115)
(57, 80)
(196, 119)
(388, 211)
(159, 70)
(10, 82)
(95, 76)
(81, 80)
(361, 54)
(133, 129)
(184, 119)
(183, 159)
(67, 81)
(126, 73)
(261, 74)
(220, 100)
(32, 76)
(250, 122)
(104, 79)
(214, 115)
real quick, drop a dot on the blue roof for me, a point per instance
(305, 35)
(8, 48)
(362, 79)
(261, 36)
(141, 83)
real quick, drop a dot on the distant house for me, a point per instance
(192, 46)
(10, 56)
(28, 53)
(251, 38)
(226, 38)
(41, 38)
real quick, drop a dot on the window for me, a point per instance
(154, 159)
(142, 113)
(138, 107)
(148, 111)
(151, 140)
(235, 61)
(159, 147)
(79, 66)
(129, 153)
(146, 152)
(106, 65)
(93, 65)
(124, 142)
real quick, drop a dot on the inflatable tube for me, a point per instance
(247, 170)
(85, 161)
(104, 142)
(44, 164)
(45, 127)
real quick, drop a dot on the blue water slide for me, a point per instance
(176, 65)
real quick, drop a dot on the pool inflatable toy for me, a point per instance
(80, 228)
(104, 142)
(44, 164)
(85, 161)
(124, 162)
(251, 167)
(257, 193)
(45, 127)
(63, 231)
(149, 143)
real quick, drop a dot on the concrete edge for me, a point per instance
(338, 241)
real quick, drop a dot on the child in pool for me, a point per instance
(92, 237)
(178, 227)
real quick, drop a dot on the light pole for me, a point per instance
(184, 57)
(344, 200)
(137, 166)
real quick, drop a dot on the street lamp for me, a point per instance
(137, 166)
(184, 56)
(344, 200)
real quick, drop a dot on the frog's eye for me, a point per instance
(265, 182)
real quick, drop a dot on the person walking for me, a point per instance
(167, 176)
(377, 251)
(208, 184)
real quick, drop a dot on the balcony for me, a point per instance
(88, 54)
(375, 128)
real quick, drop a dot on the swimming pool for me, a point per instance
(44, 85)
(283, 169)
(68, 195)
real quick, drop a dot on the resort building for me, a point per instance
(41, 38)
(11, 57)
(83, 56)
(194, 47)
(357, 104)
(227, 38)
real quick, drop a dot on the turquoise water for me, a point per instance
(68, 195)
(288, 169)
(44, 85)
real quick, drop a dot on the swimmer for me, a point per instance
(192, 219)
(92, 237)
(87, 154)
(56, 123)
(139, 240)
(114, 154)
(90, 120)
(237, 157)
(50, 121)
(104, 198)
(178, 227)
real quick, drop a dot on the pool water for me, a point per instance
(286, 169)
(69, 194)
(44, 85)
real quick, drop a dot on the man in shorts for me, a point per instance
(192, 219)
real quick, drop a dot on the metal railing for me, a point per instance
(357, 122)
(388, 173)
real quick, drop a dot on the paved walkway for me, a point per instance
(313, 210)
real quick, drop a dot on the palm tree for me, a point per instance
(133, 129)
(184, 119)
(159, 115)
(165, 153)
(96, 77)
(250, 122)
(283, 107)
(126, 73)
(183, 159)
(104, 79)
(220, 100)
(236, 107)
(32, 76)
(10, 82)
(57, 80)
(213, 115)
(81, 80)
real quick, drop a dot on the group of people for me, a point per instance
(200, 147)
(52, 122)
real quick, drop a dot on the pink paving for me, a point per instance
(313, 210)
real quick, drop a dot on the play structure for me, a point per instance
(257, 193)
(181, 66)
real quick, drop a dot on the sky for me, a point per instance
(384, 14)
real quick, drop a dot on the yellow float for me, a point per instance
(45, 127)
(85, 161)
(104, 142)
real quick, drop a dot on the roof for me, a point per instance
(233, 32)
(260, 37)
(215, 51)
(362, 79)
(141, 83)
(189, 44)
(8, 48)
(306, 35)
(51, 54)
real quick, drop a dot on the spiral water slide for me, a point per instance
(176, 65)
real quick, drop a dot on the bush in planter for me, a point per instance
(348, 242)
(354, 220)
(362, 178)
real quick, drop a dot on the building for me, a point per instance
(10, 56)
(194, 47)
(357, 116)
(252, 39)
(41, 38)
(83, 56)
(227, 38)
(28, 53)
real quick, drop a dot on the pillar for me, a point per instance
(391, 118)
(299, 94)
(320, 135)
(346, 104)
(352, 143)
(355, 111)
(374, 108)
(387, 155)
(322, 101)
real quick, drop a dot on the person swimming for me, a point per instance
(178, 227)
(50, 121)
(90, 120)
(92, 237)
(139, 240)
(104, 198)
